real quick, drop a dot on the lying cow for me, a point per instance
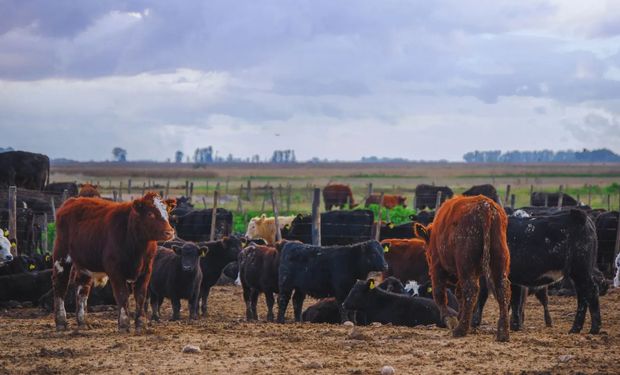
(97, 297)
(176, 275)
(545, 249)
(385, 307)
(389, 200)
(265, 227)
(25, 286)
(320, 272)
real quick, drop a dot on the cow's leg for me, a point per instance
(283, 298)
(203, 300)
(83, 282)
(248, 305)
(192, 305)
(517, 301)
(269, 300)
(121, 295)
(502, 295)
(155, 304)
(482, 300)
(470, 288)
(60, 281)
(254, 301)
(439, 295)
(140, 288)
(587, 296)
(298, 302)
(543, 297)
(176, 308)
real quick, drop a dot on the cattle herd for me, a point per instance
(437, 269)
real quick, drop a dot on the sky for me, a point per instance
(421, 80)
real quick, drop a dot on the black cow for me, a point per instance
(323, 271)
(390, 231)
(97, 297)
(545, 249)
(426, 195)
(606, 231)
(25, 286)
(487, 190)
(258, 273)
(184, 206)
(26, 230)
(539, 198)
(176, 275)
(60, 187)
(337, 227)
(385, 307)
(423, 217)
(26, 263)
(24, 169)
(221, 253)
(327, 310)
(426, 291)
(196, 225)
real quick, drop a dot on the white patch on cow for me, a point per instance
(555, 275)
(58, 267)
(238, 279)
(530, 228)
(521, 214)
(157, 202)
(413, 288)
(617, 278)
(5, 249)
(100, 279)
(60, 304)
(68, 259)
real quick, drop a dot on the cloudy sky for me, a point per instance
(333, 79)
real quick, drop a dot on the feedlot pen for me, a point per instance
(229, 345)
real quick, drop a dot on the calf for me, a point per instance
(539, 198)
(25, 286)
(323, 271)
(97, 239)
(337, 227)
(265, 227)
(426, 195)
(406, 259)
(220, 253)
(258, 272)
(389, 200)
(487, 190)
(196, 225)
(543, 250)
(423, 217)
(467, 241)
(390, 231)
(5, 250)
(425, 290)
(606, 233)
(386, 307)
(176, 275)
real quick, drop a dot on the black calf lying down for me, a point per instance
(386, 307)
(25, 286)
(426, 291)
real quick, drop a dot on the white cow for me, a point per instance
(265, 227)
(5, 250)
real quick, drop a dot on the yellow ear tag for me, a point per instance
(391, 225)
(31, 267)
(429, 290)
(386, 248)
(6, 233)
(47, 258)
(372, 284)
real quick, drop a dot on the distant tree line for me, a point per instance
(208, 155)
(543, 156)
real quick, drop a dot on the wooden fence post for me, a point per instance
(589, 195)
(438, 200)
(167, 189)
(187, 188)
(239, 204)
(249, 190)
(115, 195)
(13, 217)
(316, 217)
(289, 189)
(120, 191)
(213, 215)
(507, 196)
(191, 190)
(513, 198)
(53, 207)
(43, 224)
(560, 199)
(144, 189)
(204, 201)
(129, 186)
(378, 222)
(65, 195)
(369, 190)
(274, 206)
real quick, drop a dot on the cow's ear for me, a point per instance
(287, 226)
(171, 204)
(300, 216)
(139, 205)
(203, 251)
(371, 284)
(176, 248)
(244, 241)
(386, 247)
(390, 225)
(31, 267)
(422, 232)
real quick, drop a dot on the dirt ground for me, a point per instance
(29, 344)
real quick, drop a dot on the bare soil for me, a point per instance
(229, 345)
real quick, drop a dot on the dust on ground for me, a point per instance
(229, 345)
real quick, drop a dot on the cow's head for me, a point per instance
(358, 296)
(402, 201)
(373, 257)
(190, 255)
(232, 248)
(422, 232)
(5, 250)
(149, 217)
(89, 191)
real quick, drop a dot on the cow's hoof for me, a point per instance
(515, 327)
(502, 337)
(459, 332)
(451, 322)
(595, 330)
(574, 330)
(123, 329)
(61, 327)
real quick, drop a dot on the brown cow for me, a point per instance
(89, 191)
(97, 239)
(406, 259)
(467, 241)
(389, 201)
(338, 195)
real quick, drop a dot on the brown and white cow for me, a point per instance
(389, 200)
(467, 240)
(97, 239)
(406, 259)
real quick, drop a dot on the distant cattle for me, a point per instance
(323, 271)
(423, 217)
(265, 227)
(390, 231)
(606, 233)
(392, 308)
(426, 195)
(184, 206)
(5, 250)
(546, 249)
(337, 227)
(196, 225)
(542, 199)
(389, 200)
(406, 259)
(97, 239)
(24, 169)
(467, 241)
(221, 253)
(176, 275)
(487, 190)
(60, 187)
(258, 272)
(25, 286)
(89, 191)
(337, 195)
